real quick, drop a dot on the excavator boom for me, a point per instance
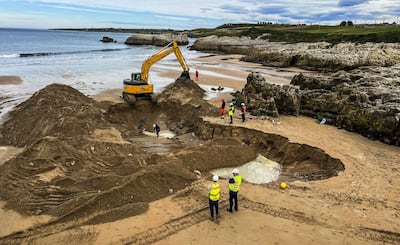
(138, 87)
(172, 47)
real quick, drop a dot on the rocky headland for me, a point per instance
(320, 56)
(157, 39)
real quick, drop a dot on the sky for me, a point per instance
(190, 14)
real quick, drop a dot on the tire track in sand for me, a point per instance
(175, 225)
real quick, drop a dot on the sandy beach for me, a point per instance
(360, 206)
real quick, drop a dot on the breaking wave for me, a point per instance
(9, 55)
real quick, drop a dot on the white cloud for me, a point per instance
(69, 7)
(172, 18)
(203, 8)
(210, 13)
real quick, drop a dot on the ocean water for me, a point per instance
(78, 59)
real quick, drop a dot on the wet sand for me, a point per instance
(15, 80)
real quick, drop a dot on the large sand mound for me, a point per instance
(77, 165)
(56, 110)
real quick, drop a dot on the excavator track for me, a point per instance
(169, 228)
(130, 98)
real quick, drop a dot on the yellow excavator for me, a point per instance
(137, 87)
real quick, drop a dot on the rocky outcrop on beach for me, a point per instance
(266, 99)
(157, 39)
(106, 39)
(321, 56)
(364, 100)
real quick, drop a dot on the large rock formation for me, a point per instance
(365, 100)
(313, 56)
(263, 98)
(157, 39)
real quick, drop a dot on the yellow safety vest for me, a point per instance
(231, 111)
(215, 191)
(235, 187)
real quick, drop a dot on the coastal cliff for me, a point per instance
(320, 56)
(157, 39)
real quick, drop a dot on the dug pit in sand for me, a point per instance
(259, 171)
(95, 181)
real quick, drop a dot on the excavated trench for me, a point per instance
(297, 161)
(237, 145)
(87, 162)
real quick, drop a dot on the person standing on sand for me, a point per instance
(222, 108)
(157, 129)
(231, 112)
(234, 187)
(214, 191)
(197, 75)
(243, 112)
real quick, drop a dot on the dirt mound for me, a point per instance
(183, 89)
(57, 110)
(67, 164)
(183, 103)
(79, 162)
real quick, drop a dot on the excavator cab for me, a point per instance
(136, 76)
(137, 87)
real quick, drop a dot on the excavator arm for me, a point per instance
(172, 47)
(138, 87)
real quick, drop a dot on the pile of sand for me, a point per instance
(57, 110)
(70, 171)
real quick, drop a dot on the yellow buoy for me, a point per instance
(283, 185)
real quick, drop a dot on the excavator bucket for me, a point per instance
(185, 74)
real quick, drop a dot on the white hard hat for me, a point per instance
(215, 178)
(154, 125)
(242, 104)
(231, 103)
(235, 171)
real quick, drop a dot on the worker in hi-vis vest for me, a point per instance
(214, 191)
(234, 187)
(231, 112)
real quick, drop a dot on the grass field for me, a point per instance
(303, 33)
